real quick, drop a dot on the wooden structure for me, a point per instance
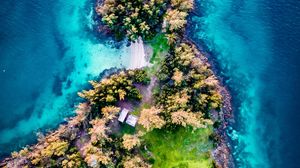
(128, 118)
(123, 115)
(132, 120)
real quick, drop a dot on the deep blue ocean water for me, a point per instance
(48, 51)
(256, 47)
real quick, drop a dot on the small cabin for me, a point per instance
(132, 120)
(128, 118)
(123, 115)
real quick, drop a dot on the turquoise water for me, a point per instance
(255, 45)
(233, 31)
(48, 52)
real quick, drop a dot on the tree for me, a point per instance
(132, 19)
(177, 101)
(115, 88)
(211, 81)
(177, 77)
(98, 130)
(171, 38)
(51, 147)
(144, 27)
(107, 7)
(130, 141)
(175, 19)
(184, 5)
(109, 112)
(57, 148)
(95, 157)
(215, 100)
(150, 119)
(72, 160)
(184, 54)
(110, 19)
(82, 111)
(122, 94)
(184, 118)
(134, 162)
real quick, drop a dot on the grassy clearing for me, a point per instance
(160, 48)
(159, 45)
(180, 148)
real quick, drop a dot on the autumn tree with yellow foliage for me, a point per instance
(95, 157)
(134, 162)
(110, 112)
(175, 20)
(115, 88)
(99, 130)
(194, 120)
(150, 119)
(130, 141)
(183, 5)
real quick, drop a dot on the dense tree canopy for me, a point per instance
(115, 88)
(132, 18)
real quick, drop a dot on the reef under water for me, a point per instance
(48, 52)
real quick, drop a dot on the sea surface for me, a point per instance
(255, 45)
(49, 50)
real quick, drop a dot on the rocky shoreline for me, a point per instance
(222, 153)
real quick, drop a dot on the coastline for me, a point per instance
(138, 59)
(222, 152)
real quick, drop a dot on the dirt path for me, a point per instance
(147, 94)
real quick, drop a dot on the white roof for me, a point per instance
(123, 115)
(131, 120)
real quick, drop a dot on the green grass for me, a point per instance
(137, 110)
(126, 129)
(159, 45)
(180, 148)
(160, 48)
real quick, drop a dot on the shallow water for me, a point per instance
(48, 52)
(255, 44)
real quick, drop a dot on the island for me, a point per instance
(168, 109)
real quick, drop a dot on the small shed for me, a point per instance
(123, 115)
(132, 120)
